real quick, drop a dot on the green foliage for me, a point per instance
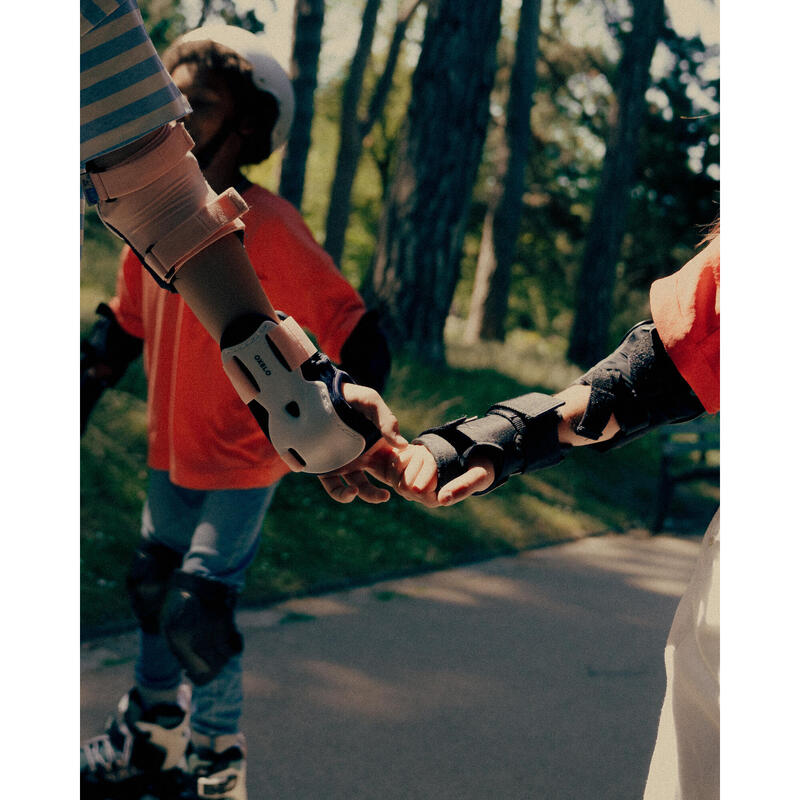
(677, 178)
(164, 20)
(309, 542)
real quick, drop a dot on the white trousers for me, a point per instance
(685, 762)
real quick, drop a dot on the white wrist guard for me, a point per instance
(158, 201)
(295, 393)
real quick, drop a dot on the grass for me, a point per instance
(310, 543)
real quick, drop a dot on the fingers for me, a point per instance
(427, 474)
(345, 487)
(475, 479)
(416, 474)
(339, 491)
(369, 403)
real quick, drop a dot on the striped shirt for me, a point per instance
(125, 90)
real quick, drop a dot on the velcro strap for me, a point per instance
(449, 464)
(601, 404)
(292, 342)
(240, 380)
(212, 222)
(133, 174)
(516, 435)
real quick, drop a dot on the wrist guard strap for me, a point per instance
(517, 435)
(295, 393)
(640, 385)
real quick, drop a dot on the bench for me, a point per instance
(689, 452)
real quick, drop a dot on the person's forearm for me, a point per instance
(576, 399)
(220, 285)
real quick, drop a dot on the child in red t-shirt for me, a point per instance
(212, 471)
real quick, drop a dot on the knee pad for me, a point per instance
(518, 435)
(198, 620)
(295, 393)
(640, 385)
(158, 201)
(148, 581)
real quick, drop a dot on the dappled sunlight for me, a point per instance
(468, 587)
(258, 618)
(659, 565)
(479, 587)
(317, 606)
(525, 356)
(666, 586)
(417, 694)
(257, 684)
(464, 588)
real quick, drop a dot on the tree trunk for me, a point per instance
(349, 138)
(354, 127)
(589, 338)
(418, 253)
(308, 18)
(489, 302)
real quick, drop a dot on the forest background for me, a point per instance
(503, 181)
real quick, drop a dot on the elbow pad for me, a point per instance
(158, 201)
(365, 354)
(295, 393)
(518, 435)
(640, 385)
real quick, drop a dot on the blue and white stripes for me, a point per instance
(125, 90)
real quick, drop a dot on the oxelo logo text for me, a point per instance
(261, 363)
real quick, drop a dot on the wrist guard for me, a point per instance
(640, 385)
(517, 435)
(105, 355)
(295, 393)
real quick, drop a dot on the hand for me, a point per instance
(479, 476)
(419, 477)
(350, 481)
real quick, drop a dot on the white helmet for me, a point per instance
(268, 75)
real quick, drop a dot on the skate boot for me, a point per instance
(217, 768)
(141, 749)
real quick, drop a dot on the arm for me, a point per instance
(633, 390)
(186, 236)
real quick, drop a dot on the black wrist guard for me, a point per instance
(640, 385)
(108, 343)
(106, 353)
(517, 435)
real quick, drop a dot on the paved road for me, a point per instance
(534, 676)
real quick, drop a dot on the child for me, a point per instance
(212, 472)
(666, 370)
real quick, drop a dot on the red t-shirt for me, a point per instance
(685, 309)
(198, 428)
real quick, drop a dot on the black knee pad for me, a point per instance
(199, 625)
(148, 580)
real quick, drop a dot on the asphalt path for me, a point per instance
(533, 676)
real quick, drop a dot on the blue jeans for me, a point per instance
(217, 533)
